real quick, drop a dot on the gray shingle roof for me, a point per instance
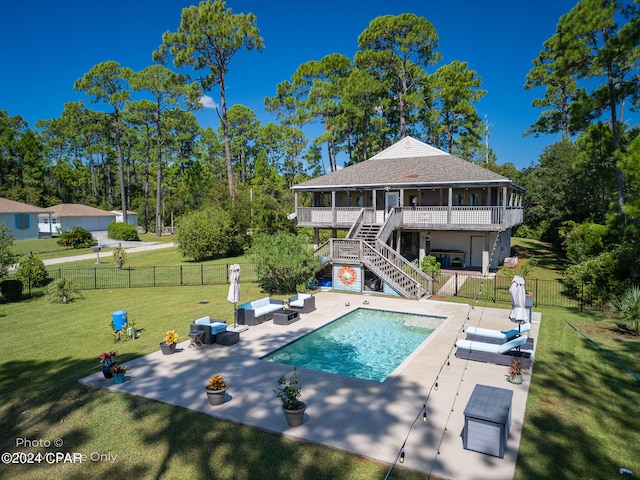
(77, 210)
(424, 171)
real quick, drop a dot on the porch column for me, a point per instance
(422, 248)
(316, 238)
(449, 205)
(333, 208)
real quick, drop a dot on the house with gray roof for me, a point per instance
(20, 218)
(408, 201)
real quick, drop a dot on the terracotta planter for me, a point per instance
(216, 397)
(167, 349)
(295, 417)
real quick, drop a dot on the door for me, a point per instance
(392, 200)
(477, 248)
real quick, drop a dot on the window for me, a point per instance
(22, 221)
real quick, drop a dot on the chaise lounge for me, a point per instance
(488, 335)
(303, 303)
(492, 353)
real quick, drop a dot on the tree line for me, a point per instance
(145, 151)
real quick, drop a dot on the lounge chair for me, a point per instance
(489, 335)
(492, 353)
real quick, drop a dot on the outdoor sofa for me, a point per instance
(303, 302)
(492, 353)
(258, 311)
(210, 327)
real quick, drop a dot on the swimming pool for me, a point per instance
(365, 343)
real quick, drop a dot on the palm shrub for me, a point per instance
(628, 306)
(11, 290)
(63, 291)
(119, 256)
(31, 271)
(430, 265)
(77, 237)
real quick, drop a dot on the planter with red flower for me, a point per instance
(106, 360)
(118, 372)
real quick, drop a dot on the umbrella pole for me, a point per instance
(235, 316)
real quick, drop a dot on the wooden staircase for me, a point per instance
(368, 232)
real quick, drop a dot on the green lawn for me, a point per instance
(580, 420)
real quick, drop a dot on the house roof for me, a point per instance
(408, 163)
(11, 206)
(77, 210)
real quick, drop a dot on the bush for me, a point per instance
(119, 256)
(205, 234)
(283, 261)
(63, 291)
(77, 237)
(430, 265)
(583, 241)
(31, 271)
(122, 231)
(594, 280)
(11, 290)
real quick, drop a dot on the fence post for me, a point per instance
(456, 293)
(154, 275)
(129, 277)
(495, 288)
(180, 275)
(95, 278)
(201, 274)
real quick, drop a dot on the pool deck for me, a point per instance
(367, 418)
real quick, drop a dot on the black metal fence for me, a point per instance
(145, 277)
(492, 289)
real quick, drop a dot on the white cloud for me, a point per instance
(207, 102)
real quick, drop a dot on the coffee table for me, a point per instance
(285, 317)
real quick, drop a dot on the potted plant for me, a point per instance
(216, 389)
(106, 360)
(515, 371)
(118, 372)
(289, 391)
(170, 340)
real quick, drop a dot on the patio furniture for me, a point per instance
(228, 338)
(258, 311)
(498, 354)
(286, 317)
(489, 335)
(487, 420)
(303, 302)
(210, 327)
(196, 337)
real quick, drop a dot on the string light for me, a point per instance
(424, 413)
(402, 456)
(436, 387)
(448, 364)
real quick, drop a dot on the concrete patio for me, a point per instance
(367, 418)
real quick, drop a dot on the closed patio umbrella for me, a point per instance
(234, 295)
(519, 313)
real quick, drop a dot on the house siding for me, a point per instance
(23, 226)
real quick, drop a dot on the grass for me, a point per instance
(580, 420)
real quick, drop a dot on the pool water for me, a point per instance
(365, 343)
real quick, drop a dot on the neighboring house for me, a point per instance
(21, 219)
(408, 201)
(65, 216)
(132, 217)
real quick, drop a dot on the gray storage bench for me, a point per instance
(487, 419)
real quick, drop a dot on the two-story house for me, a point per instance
(408, 201)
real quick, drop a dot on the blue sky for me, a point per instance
(48, 45)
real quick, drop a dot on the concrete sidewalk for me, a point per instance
(367, 418)
(92, 256)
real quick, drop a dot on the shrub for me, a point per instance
(11, 290)
(77, 237)
(583, 241)
(594, 280)
(628, 306)
(430, 265)
(122, 231)
(205, 234)
(119, 256)
(32, 271)
(63, 291)
(283, 261)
